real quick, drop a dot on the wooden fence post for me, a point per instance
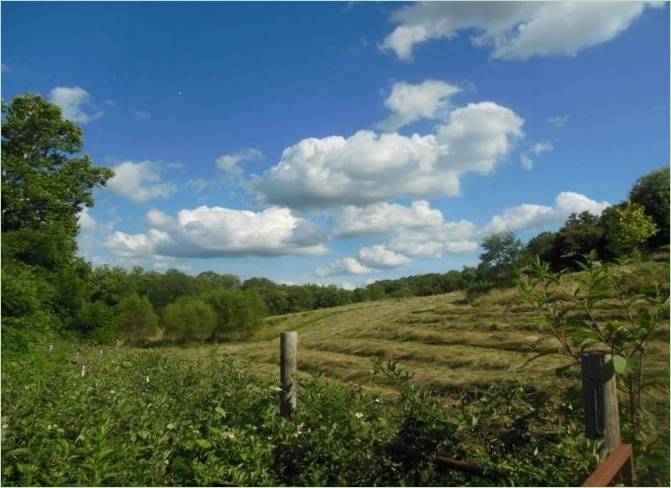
(599, 393)
(288, 366)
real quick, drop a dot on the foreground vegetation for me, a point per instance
(145, 418)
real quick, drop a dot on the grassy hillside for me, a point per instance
(444, 339)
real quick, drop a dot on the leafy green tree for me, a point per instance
(581, 234)
(209, 280)
(238, 312)
(136, 320)
(189, 319)
(542, 246)
(111, 284)
(95, 316)
(651, 191)
(451, 281)
(502, 254)
(46, 183)
(165, 288)
(626, 228)
(375, 291)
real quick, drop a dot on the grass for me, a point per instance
(447, 341)
(443, 339)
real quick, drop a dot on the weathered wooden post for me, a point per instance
(599, 393)
(288, 366)
(83, 370)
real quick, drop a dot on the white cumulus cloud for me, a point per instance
(408, 103)
(384, 218)
(433, 242)
(369, 259)
(215, 232)
(413, 231)
(532, 216)
(139, 182)
(536, 149)
(344, 266)
(86, 222)
(379, 257)
(72, 102)
(369, 167)
(229, 162)
(514, 30)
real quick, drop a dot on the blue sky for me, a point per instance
(343, 143)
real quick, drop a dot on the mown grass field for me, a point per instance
(445, 340)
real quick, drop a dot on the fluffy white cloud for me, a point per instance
(408, 103)
(86, 222)
(215, 231)
(384, 218)
(139, 182)
(536, 149)
(343, 266)
(72, 102)
(449, 237)
(368, 260)
(531, 216)
(379, 257)
(415, 231)
(369, 167)
(513, 30)
(568, 202)
(229, 162)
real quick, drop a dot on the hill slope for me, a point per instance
(443, 339)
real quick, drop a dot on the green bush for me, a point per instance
(189, 319)
(136, 320)
(142, 417)
(652, 192)
(95, 316)
(238, 312)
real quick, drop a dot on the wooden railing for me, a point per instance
(620, 460)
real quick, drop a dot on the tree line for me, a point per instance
(48, 290)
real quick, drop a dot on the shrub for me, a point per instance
(652, 192)
(136, 320)
(189, 319)
(238, 312)
(146, 418)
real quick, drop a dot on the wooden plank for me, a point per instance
(608, 470)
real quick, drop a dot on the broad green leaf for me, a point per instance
(619, 364)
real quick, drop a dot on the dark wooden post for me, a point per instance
(288, 366)
(599, 393)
